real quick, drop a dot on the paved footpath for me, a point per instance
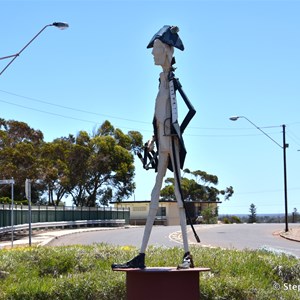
(293, 234)
(42, 238)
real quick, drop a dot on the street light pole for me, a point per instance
(283, 147)
(59, 25)
(285, 179)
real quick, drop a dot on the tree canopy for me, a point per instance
(92, 169)
(201, 187)
(252, 218)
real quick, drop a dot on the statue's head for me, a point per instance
(163, 43)
(168, 35)
(162, 53)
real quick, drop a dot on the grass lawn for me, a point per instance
(84, 272)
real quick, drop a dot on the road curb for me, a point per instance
(290, 238)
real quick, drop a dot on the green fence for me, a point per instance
(59, 213)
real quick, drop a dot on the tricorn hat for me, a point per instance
(168, 35)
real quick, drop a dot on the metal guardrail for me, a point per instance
(63, 224)
(41, 213)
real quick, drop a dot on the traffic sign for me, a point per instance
(7, 181)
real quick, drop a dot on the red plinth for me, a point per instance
(163, 283)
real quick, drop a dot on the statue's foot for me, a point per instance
(137, 262)
(187, 262)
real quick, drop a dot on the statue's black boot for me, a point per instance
(137, 262)
(187, 262)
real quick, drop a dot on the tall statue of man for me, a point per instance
(168, 139)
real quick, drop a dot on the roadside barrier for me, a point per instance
(64, 224)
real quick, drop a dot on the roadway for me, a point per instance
(230, 236)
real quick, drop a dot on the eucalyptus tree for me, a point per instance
(54, 168)
(201, 187)
(19, 151)
(91, 168)
(110, 165)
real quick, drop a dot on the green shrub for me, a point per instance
(235, 219)
(231, 219)
(5, 200)
(226, 221)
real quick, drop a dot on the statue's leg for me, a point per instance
(182, 214)
(161, 171)
(187, 261)
(139, 260)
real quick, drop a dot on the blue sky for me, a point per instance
(240, 58)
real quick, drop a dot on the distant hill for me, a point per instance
(246, 215)
(261, 218)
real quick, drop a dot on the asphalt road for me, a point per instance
(247, 236)
(230, 236)
(121, 237)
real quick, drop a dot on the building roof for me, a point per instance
(162, 201)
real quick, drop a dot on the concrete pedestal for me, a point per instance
(163, 283)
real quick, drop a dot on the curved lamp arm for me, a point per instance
(60, 25)
(235, 118)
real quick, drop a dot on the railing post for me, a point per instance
(2, 217)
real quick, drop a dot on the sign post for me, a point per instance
(28, 196)
(12, 182)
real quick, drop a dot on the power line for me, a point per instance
(129, 128)
(56, 114)
(225, 135)
(70, 108)
(265, 191)
(294, 137)
(97, 123)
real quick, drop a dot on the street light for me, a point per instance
(59, 25)
(283, 147)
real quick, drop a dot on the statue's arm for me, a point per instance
(191, 111)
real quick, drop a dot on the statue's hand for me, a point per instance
(150, 144)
